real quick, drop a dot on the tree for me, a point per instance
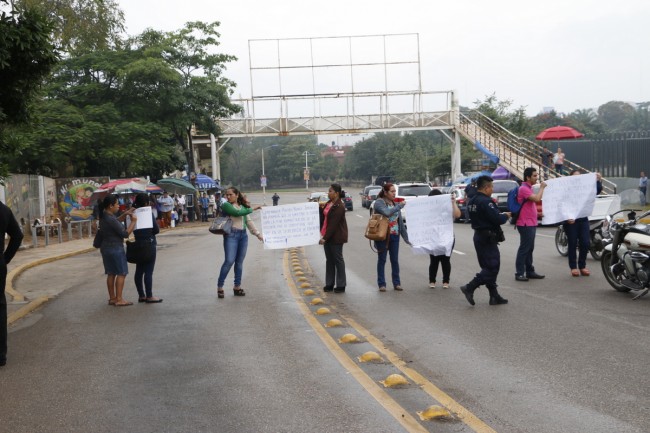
(613, 114)
(81, 26)
(585, 121)
(26, 57)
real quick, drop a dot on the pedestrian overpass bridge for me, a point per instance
(513, 152)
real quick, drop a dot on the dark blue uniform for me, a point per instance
(486, 221)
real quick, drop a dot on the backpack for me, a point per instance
(513, 204)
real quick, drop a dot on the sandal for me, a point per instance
(142, 299)
(575, 273)
(585, 272)
(382, 289)
(445, 285)
(220, 293)
(398, 288)
(123, 303)
(238, 291)
(112, 301)
(153, 300)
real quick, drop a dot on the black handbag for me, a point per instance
(221, 225)
(139, 251)
(99, 237)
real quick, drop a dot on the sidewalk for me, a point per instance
(27, 257)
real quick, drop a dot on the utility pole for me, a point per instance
(306, 173)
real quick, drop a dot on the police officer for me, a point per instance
(486, 222)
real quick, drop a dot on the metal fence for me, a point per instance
(613, 155)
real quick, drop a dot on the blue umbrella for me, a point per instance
(204, 182)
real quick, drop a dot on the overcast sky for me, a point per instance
(564, 54)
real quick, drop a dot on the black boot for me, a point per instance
(340, 289)
(495, 298)
(328, 289)
(468, 291)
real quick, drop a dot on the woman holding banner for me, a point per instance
(577, 233)
(388, 207)
(443, 260)
(235, 244)
(144, 271)
(334, 233)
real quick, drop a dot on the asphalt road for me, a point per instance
(565, 355)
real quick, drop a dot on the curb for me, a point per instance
(19, 314)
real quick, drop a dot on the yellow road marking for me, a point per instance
(392, 407)
(468, 418)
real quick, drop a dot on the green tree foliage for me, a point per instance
(127, 111)
(614, 113)
(81, 26)
(26, 56)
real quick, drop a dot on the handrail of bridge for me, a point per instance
(515, 153)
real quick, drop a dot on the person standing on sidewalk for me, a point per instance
(112, 248)
(205, 203)
(334, 233)
(144, 271)
(9, 226)
(527, 226)
(486, 222)
(643, 187)
(166, 206)
(235, 244)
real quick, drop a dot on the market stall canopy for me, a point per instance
(120, 185)
(152, 188)
(176, 186)
(204, 182)
(559, 133)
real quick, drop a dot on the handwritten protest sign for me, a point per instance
(431, 225)
(290, 225)
(145, 218)
(569, 197)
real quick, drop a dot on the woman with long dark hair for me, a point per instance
(144, 271)
(386, 205)
(442, 259)
(235, 244)
(112, 248)
(334, 233)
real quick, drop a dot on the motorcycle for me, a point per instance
(626, 256)
(595, 239)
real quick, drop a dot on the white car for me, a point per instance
(405, 191)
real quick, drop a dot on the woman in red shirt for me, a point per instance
(334, 233)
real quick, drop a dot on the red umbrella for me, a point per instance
(559, 133)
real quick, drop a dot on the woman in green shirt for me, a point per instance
(235, 244)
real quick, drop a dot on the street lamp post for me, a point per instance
(264, 174)
(306, 174)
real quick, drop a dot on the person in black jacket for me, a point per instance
(486, 222)
(9, 226)
(144, 271)
(334, 233)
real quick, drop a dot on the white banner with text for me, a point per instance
(290, 225)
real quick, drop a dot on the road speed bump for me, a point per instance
(435, 412)
(349, 338)
(394, 380)
(316, 301)
(302, 279)
(333, 323)
(323, 311)
(370, 357)
(298, 268)
(305, 285)
(309, 292)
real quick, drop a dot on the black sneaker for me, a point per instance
(339, 289)
(535, 276)
(520, 278)
(498, 300)
(328, 289)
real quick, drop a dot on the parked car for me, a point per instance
(347, 200)
(458, 191)
(314, 196)
(369, 194)
(500, 193)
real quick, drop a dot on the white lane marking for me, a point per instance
(459, 252)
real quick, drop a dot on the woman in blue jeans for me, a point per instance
(385, 205)
(144, 271)
(235, 244)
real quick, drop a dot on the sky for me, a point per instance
(567, 55)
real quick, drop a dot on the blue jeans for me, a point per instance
(524, 262)
(578, 234)
(144, 272)
(234, 246)
(204, 214)
(393, 250)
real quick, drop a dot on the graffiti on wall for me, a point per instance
(17, 196)
(75, 196)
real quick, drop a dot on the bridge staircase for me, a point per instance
(515, 153)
